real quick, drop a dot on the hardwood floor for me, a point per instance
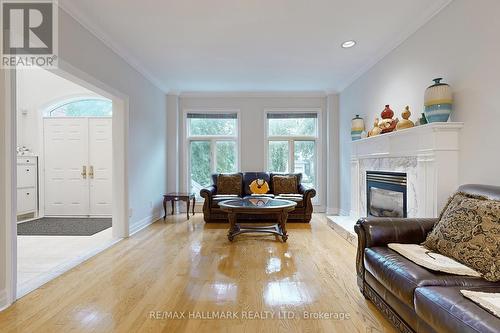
(191, 267)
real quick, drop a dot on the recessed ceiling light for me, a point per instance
(349, 43)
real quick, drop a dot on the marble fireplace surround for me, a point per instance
(428, 154)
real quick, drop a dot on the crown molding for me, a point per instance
(332, 92)
(253, 94)
(97, 32)
(172, 92)
(400, 39)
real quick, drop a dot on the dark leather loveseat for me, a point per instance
(413, 298)
(213, 213)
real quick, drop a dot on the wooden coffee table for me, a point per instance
(252, 206)
(178, 196)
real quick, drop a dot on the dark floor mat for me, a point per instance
(51, 226)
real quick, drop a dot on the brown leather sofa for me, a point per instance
(212, 212)
(413, 298)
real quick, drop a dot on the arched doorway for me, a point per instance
(88, 105)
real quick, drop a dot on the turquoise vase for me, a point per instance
(438, 102)
(357, 127)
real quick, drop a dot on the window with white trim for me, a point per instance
(292, 140)
(212, 139)
(85, 107)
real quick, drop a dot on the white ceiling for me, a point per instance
(252, 45)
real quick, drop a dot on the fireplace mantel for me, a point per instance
(414, 141)
(427, 153)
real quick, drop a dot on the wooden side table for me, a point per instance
(178, 196)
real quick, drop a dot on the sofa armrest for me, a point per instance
(382, 231)
(207, 192)
(307, 192)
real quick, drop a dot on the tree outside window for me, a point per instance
(292, 141)
(213, 145)
(84, 108)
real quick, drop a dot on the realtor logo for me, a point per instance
(29, 33)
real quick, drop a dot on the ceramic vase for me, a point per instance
(387, 113)
(405, 122)
(387, 124)
(423, 121)
(357, 127)
(438, 102)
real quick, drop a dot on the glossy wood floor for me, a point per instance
(191, 267)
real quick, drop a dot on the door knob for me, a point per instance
(91, 172)
(84, 172)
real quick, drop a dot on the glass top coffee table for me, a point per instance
(261, 206)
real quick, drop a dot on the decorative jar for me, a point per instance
(357, 127)
(438, 102)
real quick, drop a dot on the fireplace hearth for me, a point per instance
(386, 194)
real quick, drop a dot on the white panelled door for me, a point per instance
(77, 158)
(100, 148)
(65, 156)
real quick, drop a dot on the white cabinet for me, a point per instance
(27, 185)
(26, 175)
(26, 201)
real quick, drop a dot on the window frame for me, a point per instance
(291, 139)
(212, 139)
(65, 101)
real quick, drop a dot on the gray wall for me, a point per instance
(147, 118)
(459, 44)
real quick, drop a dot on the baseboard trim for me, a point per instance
(319, 209)
(148, 220)
(4, 303)
(332, 211)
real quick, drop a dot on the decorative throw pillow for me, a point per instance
(468, 231)
(284, 184)
(259, 186)
(229, 184)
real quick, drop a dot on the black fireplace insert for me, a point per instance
(386, 194)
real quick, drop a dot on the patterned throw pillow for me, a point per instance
(468, 231)
(284, 184)
(229, 184)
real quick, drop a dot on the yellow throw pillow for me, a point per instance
(259, 186)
